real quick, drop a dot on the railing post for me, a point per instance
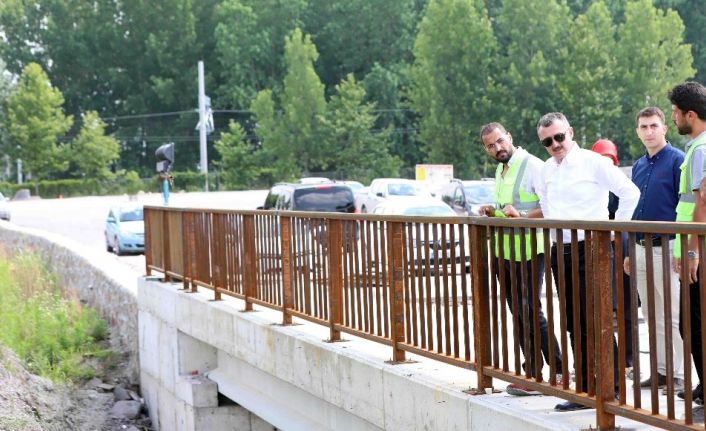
(147, 215)
(481, 304)
(250, 259)
(603, 317)
(166, 245)
(286, 247)
(395, 251)
(335, 297)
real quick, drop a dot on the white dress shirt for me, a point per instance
(577, 189)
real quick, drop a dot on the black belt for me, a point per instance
(656, 241)
(567, 246)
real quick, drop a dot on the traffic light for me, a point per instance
(165, 157)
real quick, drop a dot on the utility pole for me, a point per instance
(202, 124)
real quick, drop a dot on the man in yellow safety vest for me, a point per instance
(515, 197)
(689, 115)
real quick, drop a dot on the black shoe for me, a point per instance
(697, 395)
(569, 406)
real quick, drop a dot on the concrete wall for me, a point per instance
(192, 347)
(98, 280)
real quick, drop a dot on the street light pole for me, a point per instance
(202, 128)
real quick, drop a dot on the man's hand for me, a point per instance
(626, 265)
(510, 211)
(487, 210)
(693, 268)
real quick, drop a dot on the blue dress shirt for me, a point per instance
(657, 177)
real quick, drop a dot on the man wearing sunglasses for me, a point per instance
(689, 115)
(574, 185)
(515, 197)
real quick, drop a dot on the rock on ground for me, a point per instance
(32, 403)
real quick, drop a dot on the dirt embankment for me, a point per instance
(32, 403)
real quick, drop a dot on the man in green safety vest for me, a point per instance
(689, 115)
(515, 197)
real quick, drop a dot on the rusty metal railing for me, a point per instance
(441, 288)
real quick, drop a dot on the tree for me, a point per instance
(452, 82)
(250, 39)
(241, 163)
(355, 149)
(92, 151)
(35, 120)
(5, 89)
(652, 58)
(586, 84)
(533, 34)
(353, 35)
(302, 102)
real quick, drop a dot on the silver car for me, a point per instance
(4, 208)
(125, 230)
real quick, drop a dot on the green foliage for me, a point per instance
(35, 120)
(653, 59)
(250, 44)
(241, 163)
(452, 82)
(124, 182)
(354, 148)
(92, 151)
(589, 63)
(51, 334)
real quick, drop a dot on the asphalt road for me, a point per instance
(83, 219)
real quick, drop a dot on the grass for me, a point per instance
(50, 331)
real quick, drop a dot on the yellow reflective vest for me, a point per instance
(687, 201)
(509, 190)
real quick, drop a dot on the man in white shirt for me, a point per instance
(573, 185)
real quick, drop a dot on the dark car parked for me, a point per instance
(320, 197)
(466, 197)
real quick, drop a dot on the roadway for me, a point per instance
(82, 219)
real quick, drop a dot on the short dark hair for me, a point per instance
(548, 119)
(650, 111)
(488, 128)
(689, 96)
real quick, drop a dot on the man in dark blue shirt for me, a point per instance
(656, 174)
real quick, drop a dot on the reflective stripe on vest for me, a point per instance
(521, 201)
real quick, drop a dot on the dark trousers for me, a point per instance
(582, 334)
(695, 320)
(532, 293)
(627, 301)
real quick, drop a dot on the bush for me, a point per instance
(50, 333)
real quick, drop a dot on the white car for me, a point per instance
(382, 189)
(4, 208)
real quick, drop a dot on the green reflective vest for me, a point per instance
(687, 201)
(509, 190)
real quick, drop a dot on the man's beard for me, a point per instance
(684, 129)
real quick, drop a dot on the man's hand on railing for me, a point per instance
(487, 210)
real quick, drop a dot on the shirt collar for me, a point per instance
(569, 157)
(688, 144)
(659, 153)
(516, 155)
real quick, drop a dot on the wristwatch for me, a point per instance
(692, 255)
(523, 213)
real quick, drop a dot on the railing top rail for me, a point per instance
(668, 228)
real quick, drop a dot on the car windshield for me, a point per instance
(404, 189)
(440, 210)
(324, 198)
(480, 194)
(131, 215)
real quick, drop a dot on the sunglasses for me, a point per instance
(549, 140)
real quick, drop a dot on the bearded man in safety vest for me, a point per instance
(689, 115)
(515, 197)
